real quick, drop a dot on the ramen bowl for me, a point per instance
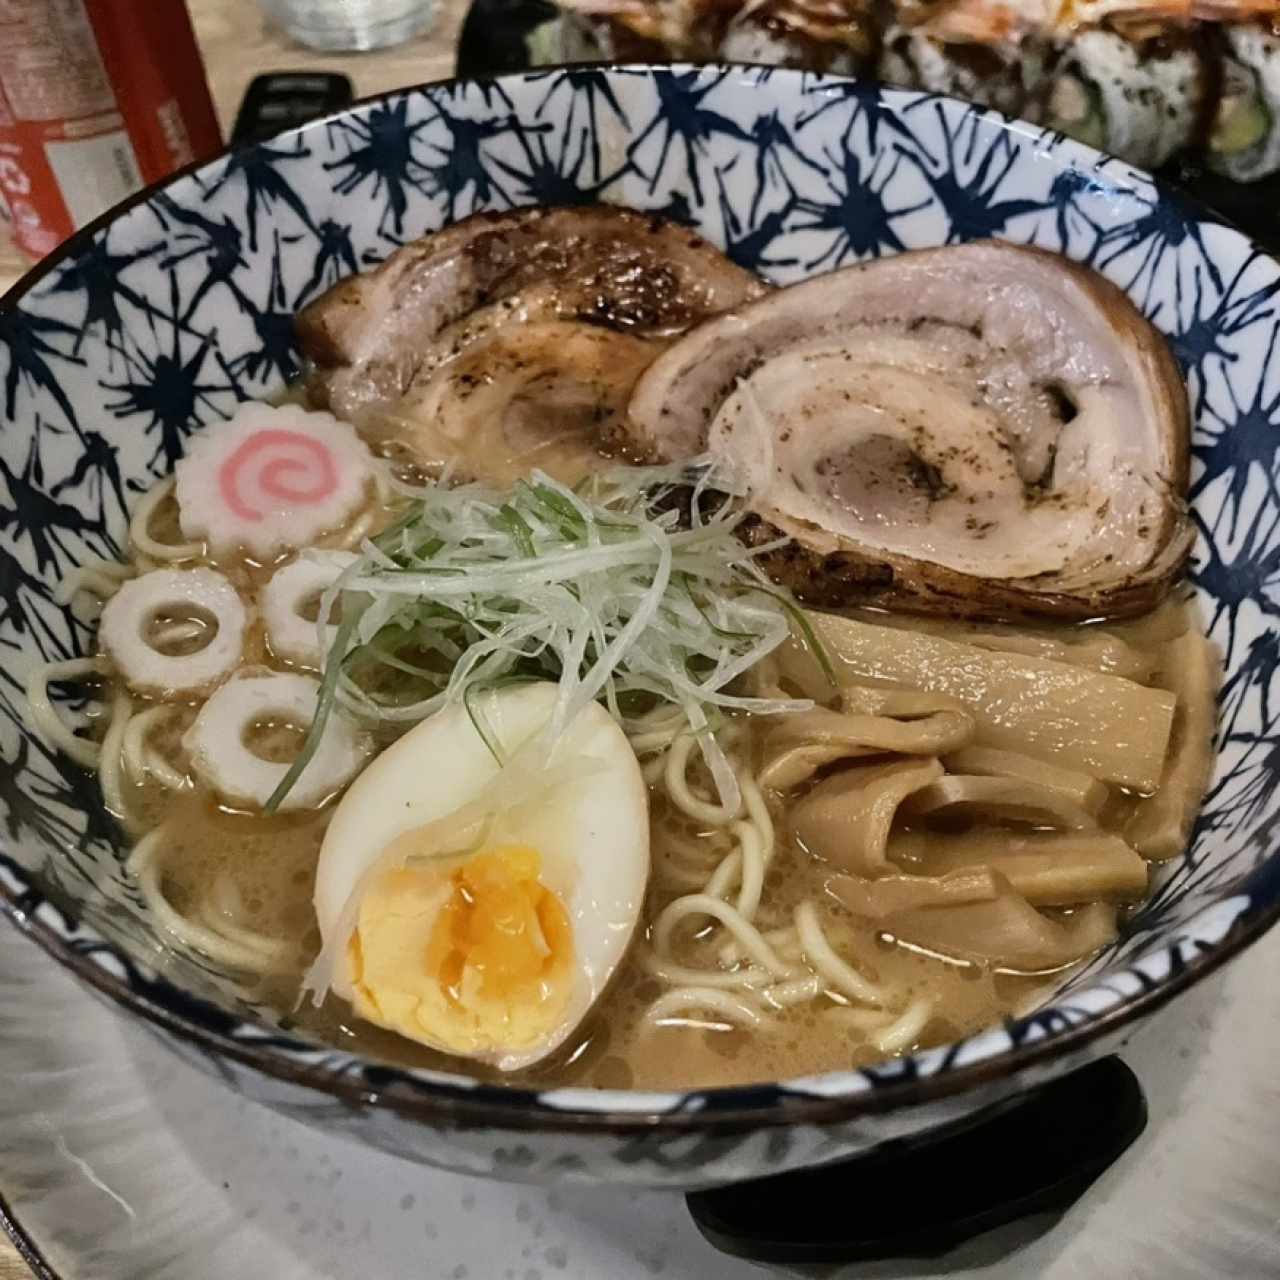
(155, 322)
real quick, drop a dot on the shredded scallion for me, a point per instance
(628, 589)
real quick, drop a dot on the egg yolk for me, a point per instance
(473, 960)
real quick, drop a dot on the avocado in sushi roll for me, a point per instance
(1244, 143)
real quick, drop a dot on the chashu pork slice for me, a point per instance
(984, 430)
(512, 340)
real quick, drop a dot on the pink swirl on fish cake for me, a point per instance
(271, 478)
(300, 472)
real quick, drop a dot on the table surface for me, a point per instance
(238, 44)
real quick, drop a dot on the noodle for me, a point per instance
(235, 947)
(818, 952)
(140, 760)
(783, 940)
(824, 867)
(734, 1009)
(797, 991)
(703, 904)
(111, 770)
(675, 777)
(803, 966)
(678, 877)
(746, 864)
(905, 1031)
(140, 527)
(889, 1033)
(366, 523)
(47, 722)
(657, 734)
(751, 977)
(99, 576)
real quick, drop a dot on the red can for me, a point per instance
(98, 98)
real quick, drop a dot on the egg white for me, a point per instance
(592, 833)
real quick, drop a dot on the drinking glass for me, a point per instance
(334, 25)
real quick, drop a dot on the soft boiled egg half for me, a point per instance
(481, 909)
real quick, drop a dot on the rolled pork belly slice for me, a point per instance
(984, 431)
(591, 295)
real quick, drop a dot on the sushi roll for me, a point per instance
(645, 30)
(1129, 15)
(1141, 79)
(581, 37)
(1244, 143)
(1142, 100)
(1233, 10)
(995, 76)
(985, 22)
(590, 37)
(832, 36)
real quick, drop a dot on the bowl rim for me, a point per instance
(439, 1098)
(28, 1250)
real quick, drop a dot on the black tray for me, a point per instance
(496, 39)
(965, 1196)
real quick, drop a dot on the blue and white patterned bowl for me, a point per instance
(155, 322)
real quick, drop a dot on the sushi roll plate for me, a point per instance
(1197, 103)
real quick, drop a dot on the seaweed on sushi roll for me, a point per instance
(993, 75)
(1146, 80)
(832, 36)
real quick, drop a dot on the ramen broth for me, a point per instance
(258, 871)
(270, 863)
(261, 870)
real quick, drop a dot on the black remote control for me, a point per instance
(279, 100)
